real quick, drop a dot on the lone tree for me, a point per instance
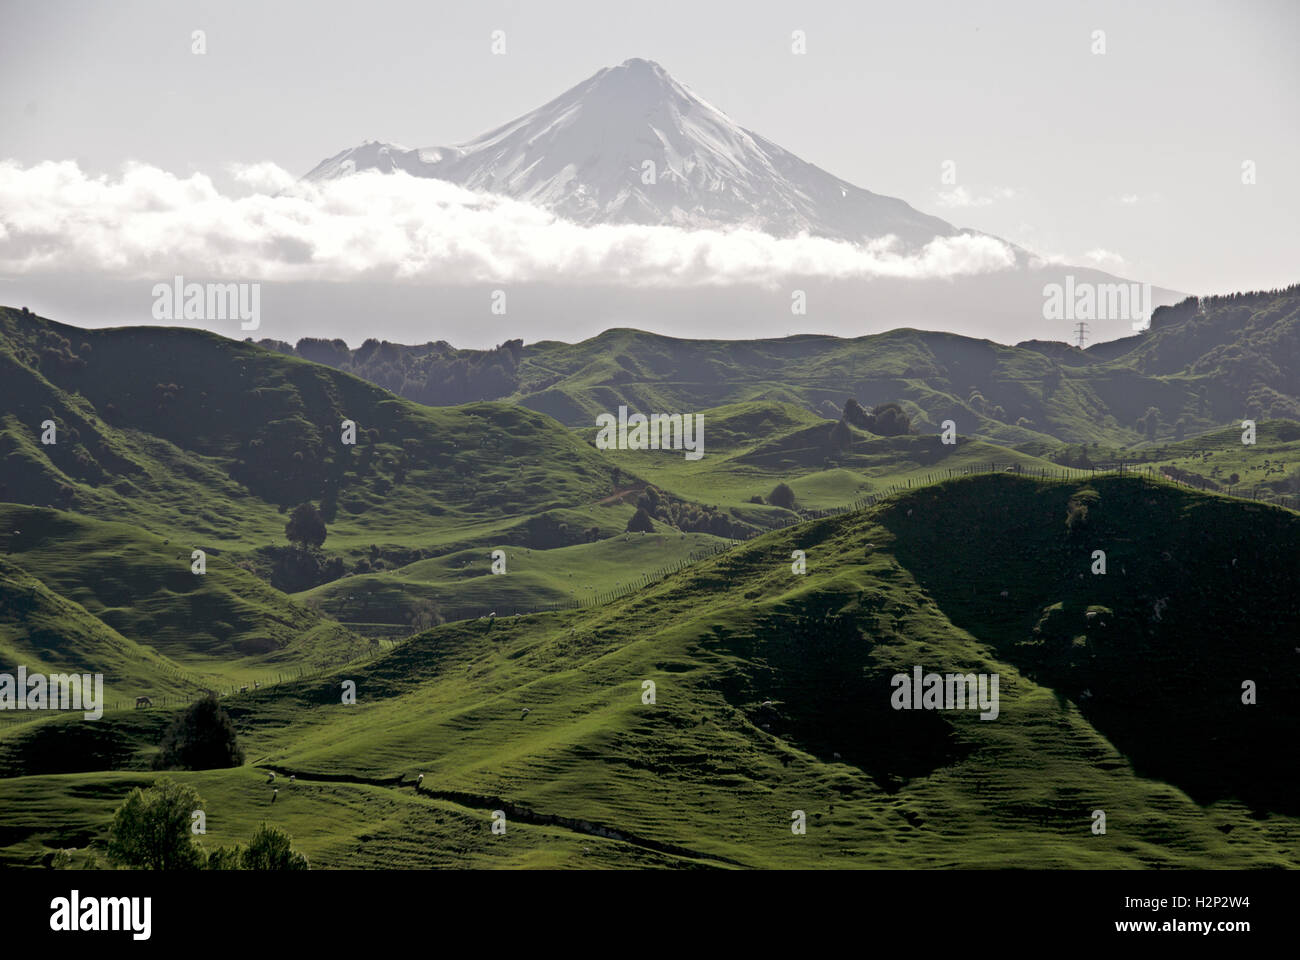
(890, 420)
(781, 496)
(856, 415)
(151, 829)
(201, 738)
(272, 849)
(640, 522)
(306, 527)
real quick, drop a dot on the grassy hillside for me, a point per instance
(47, 633)
(1204, 362)
(216, 455)
(238, 432)
(1119, 691)
(1135, 710)
(225, 624)
(752, 447)
(460, 585)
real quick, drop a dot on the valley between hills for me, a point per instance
(525, 692)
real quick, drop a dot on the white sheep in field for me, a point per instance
(292, 779)
(271, 777)
(419, 781)
(525, 713)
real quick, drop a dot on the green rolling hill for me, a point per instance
(1119, 692)
(772, 695)
(1201, 364)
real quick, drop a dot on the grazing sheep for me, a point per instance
(292, 778)
(1005, 594)
(270, 777)
(525, 713)
(143, 702)
(419, 781)
(244, 689)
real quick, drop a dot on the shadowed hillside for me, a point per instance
(772, 695)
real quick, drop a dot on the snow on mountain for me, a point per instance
(583, 156)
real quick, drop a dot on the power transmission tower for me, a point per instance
(1081, 333)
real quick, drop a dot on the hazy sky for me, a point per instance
(1130, 160)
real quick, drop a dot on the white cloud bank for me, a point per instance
(150, 223)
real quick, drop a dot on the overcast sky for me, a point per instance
(1130, 160)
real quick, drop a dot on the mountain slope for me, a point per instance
(582, 156)
(631, 145)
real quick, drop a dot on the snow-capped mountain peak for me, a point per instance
(630, 144)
